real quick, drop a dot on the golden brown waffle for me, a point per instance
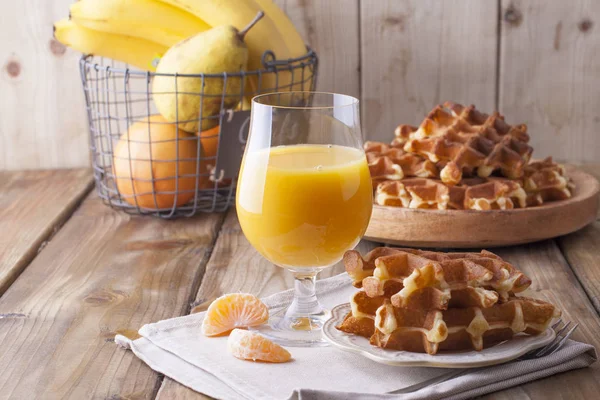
(452, 329)
(471, 194)
(359, 268)
(494, 194)
(460, 328)
(546, 181)
(420, 193)
(383, 169)
(419, 279)
(402, 134)
(466, 140)
(389, 163)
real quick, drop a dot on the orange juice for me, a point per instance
(304, 205)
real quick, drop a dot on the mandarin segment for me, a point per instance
(235, 310)
(247, 345)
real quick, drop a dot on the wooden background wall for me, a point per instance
(537, 61)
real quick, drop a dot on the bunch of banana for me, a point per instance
(131, 50)
(137, 32)
(140, 31)
(145, 19)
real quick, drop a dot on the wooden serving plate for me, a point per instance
(494, 228)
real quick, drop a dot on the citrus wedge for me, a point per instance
(235, 310)
(247, 345)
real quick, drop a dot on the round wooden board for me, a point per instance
(473, 229)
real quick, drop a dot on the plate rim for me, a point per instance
(339, 311)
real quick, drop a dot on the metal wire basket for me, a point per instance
(145, 165)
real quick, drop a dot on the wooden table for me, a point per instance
(74, 272)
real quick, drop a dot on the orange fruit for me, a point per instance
(235, 310)
(145, 162)
(247, 345)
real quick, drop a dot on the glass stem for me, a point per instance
(305, 303)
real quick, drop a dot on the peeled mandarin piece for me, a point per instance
(247, 345)
(235, 310)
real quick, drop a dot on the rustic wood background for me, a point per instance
(537, 61)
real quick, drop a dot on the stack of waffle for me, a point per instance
(460, 158)
(425, 301)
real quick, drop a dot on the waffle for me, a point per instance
(546, 181)
(359, 268)
(389, 163)
(383, 169)
(494, 194)
(452, 329)
(470, 194)
(361, 320)
(402, 134)
(416, 279)
(466, 140)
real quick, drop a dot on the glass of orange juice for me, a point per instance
(304, 196)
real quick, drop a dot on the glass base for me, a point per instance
(295, 331)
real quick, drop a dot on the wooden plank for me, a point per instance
(554, 281)
(331, 28)
(32, 206)
(44, 123)
(104, 272)
(581, 251)
(235, 266)
(548, 74)
(416, 54)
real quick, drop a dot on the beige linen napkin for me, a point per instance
(176, 348)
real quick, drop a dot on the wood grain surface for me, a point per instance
(472, 228)
(33, 205)
(548, 74)
(103, 273)
(331, 28)
(582, 251)
(235, 266)
(554, 281)
(415, 54)
(106, 272)
(534, 60)
(43, 123)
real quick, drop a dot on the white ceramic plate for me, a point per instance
(497, 354)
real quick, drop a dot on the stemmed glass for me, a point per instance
(304, 196)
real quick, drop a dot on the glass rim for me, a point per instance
(352, 101)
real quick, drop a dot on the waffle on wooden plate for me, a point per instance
(388, 162)
(467, 139)
(462, 159)
(470, 194)
(425, 301)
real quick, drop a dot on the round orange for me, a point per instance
(155, 159)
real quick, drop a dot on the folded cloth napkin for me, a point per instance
(176, 348)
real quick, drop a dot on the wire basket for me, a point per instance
(144, 164)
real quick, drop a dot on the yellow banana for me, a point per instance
(264, 36)
(145, 19)
(294, 43)
(286, 29)
(137, 52)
